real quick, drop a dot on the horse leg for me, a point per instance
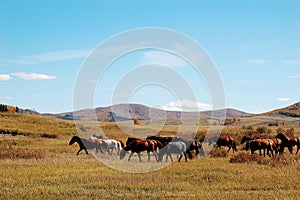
(155, 155)
(139, 155)
(259, 151)
(118, 150)
(180, 157)
(185, 157)
(171, 157)
(79, 151)
(130, 155)
(229, 148)
(148, 153)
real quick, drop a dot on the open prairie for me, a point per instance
(38, 163)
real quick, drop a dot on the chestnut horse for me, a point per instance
(225, 141)
(137, 146)
(259, 144)
(85, 144)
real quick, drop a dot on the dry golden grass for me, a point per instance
(50, 169)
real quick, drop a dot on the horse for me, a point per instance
(225, 141)
(190, 146)
(111, 144)
(286, 142)
(163, 139)
(130, 139)
(277, 144)
(295, 142)
(98, 136)
(194, 145)
(178, 147)
(85, 144)
(259, 144)
(246, 139)
(137, 146)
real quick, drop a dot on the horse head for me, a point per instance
(74, 139)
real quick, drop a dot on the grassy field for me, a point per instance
(34, 166)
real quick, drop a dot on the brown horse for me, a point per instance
(286, 142)
(85, 144)
(225, 141)
(137, 146)
(277, 144)
(259, 144)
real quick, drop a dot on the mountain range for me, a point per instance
(122, 112)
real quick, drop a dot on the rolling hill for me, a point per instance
(122, 112)
(290, 111)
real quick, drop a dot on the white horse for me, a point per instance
(177, 147)
(109, 145)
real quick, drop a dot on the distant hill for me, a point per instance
(122, 112)
(290, 111)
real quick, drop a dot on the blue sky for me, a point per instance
(254, 45)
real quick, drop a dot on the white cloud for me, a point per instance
(283, 99)
(49, 57)
(186, 105)
(33, 76)
(257, 61)
(5, 77)
(294, 76)
(6, 98)
(163, 58)
(291, 61)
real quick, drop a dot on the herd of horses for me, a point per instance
(168, 145)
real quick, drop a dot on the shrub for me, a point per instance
(264, 129)
(290, 132)
(244, 157)
(49, 135)
(136, 121)
(11, 151)
(249, 127)
(278, 161)
(200, 135)
(280, 130)
(218, 153)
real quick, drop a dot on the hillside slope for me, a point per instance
(290, 111)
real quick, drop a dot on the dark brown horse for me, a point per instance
(260, 144)
(137, 146)
(163, 139)
(225, 141)
(246, 139)
(286, 142)
(85, 144)
(295, 142)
